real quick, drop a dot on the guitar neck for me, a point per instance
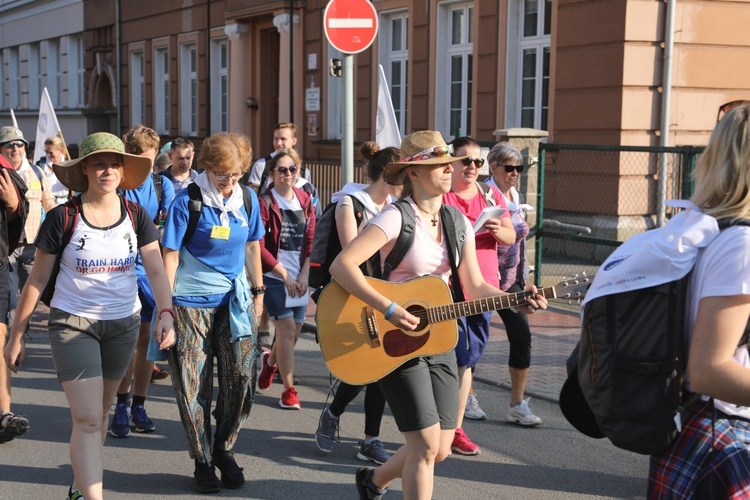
(448, 312)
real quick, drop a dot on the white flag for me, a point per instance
(387, 133)
(47, 126)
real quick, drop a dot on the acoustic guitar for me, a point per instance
(360, 346)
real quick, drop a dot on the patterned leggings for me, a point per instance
(202, 335)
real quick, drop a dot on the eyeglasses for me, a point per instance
(479, 162)
(511, 168)
(223, 177)
(284, 170)
(11, 144)
(435, 152)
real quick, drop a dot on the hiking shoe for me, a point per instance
(289, 400)
(473, 411)
(265, 375)
(325, 436)
(367, 490)
(231, 474)
(373, 451)
(463, 445)
(74, 494)
(120, 426)
(158, 374)
(139, 421)
(204, 478)
(521, 414)
(15, 425)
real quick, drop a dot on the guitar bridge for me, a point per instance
(371, 325)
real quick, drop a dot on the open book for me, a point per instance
(488, 213)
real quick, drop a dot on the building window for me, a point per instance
(334, 93)
(453, 115)
(35, 76)
(2, 80)
(394, 51)
(75, 72)
(137, 98)
(189, 90)
(219, 85)
(161, 90)
(53, 71)
(14, 73)
(534, 44)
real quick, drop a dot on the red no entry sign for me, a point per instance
(350, 25)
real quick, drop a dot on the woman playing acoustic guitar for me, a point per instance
(423, 392)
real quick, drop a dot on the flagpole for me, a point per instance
(65, 146)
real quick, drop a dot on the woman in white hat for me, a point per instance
(423, 392)
(94, 321)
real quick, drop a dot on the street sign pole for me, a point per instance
(347, 142)
(350, 26)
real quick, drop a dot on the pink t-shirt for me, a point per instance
(486, 243)
(427, 256)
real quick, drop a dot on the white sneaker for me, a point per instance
(521, 414)
(473, 411)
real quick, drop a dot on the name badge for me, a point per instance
(35, 185)
(220, 232)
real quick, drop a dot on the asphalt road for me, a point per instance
(278, 452)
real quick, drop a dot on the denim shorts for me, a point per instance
(4, 292)
(274, 302)
(146, 296)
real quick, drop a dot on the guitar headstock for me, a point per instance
(573, 289)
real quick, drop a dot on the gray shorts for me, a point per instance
(422, 392)
(88, 348)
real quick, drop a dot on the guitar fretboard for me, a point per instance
(448, 312)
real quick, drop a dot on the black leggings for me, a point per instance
(519, 335)
(374, 404)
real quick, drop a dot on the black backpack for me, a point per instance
(195, 208)
(326, 242)
(72, 208)
(629, 367)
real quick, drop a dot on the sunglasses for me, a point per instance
(11, 144)
(479, 162)
(284, 170)
(435, 152)
(223, 177)
(511, 168)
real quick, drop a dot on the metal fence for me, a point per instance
(593, 198)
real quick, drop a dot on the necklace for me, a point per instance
(109, 226)
(434, 216)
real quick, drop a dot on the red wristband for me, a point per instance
(166, 310)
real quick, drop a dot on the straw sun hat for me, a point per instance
(426, 147)
(135, 168)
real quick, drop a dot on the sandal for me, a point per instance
(74, 495)
(15, 425)
(264, 341)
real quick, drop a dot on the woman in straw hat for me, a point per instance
(423, 392)
(94, 321)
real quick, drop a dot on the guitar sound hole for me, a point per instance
(397, 343)
(418, 311)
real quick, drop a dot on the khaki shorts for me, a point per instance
(87, 348)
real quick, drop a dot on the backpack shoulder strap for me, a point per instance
(157, 178)
(72, 207)
(132, 208)
(454, 231)
(486, 190)
(265, 173)
(247, 201)
(358, 208)
(195, 207)
(404, 241)
(38, 171)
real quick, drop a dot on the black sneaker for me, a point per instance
(15, 425)
(367, 490)
(204, 478)
(231, 474)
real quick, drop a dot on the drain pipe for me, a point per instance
(666, 95)
(118, 129)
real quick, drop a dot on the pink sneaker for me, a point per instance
(289, 399)
(265, 376)
(463, 445)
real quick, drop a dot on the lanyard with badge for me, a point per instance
(220, 232)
